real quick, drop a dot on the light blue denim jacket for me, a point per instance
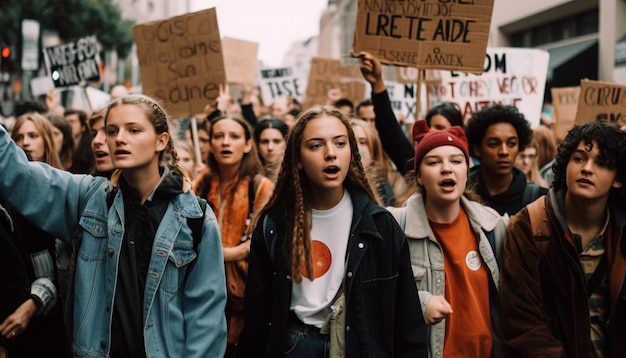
(185, 291)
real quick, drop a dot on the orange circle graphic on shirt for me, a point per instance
(322, 258)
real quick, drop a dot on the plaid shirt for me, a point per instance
(590, 257)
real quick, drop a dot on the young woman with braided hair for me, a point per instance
(144, 285)
(329, 269)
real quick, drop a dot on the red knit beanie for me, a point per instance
(426, 140)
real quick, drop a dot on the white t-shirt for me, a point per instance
(330, 230)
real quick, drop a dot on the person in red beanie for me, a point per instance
(455, 245)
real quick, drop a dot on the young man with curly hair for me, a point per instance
(562, 281)
(496, 134)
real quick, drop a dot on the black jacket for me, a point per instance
(510, 201)
(383, 315)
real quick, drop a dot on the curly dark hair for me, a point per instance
(611, 143)
(476, 126)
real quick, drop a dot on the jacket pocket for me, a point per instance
(178, 263)
(94, 234)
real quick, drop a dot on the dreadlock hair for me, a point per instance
(292, 194)
(158, 117)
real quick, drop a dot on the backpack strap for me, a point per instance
(538, 216)
(195, 224)
(531, 193)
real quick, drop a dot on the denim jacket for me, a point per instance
(427, 260)
(185, 293)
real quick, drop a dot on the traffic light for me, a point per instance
(6, 55)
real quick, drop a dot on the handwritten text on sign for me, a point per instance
(327, 74)
(279, 83)
(428, 34)
(604, 101)
(74, 63)
(181, 61)
(511, 76)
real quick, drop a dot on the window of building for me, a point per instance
(574, 26)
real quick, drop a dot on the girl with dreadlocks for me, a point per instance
(329, 269)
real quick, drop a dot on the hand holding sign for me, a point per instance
(372, 71)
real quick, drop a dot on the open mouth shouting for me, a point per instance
(331, 171)
(448, 185)
(100, 154)
(121, 153)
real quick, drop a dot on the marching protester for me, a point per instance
(82, 160)
(234, 186)
(187, 158)
(35, 328)
(496, 134)
(63, 140)
(527, 161)
(444, 116)
(329, 270)
(270, 137)
(455, 244)
(99, 148)
(376, 165)
(149, 280)
(564, 262)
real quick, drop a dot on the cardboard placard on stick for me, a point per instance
(565, 104)
(327, 74)
(240, 60)
(73, 63)
(604, 101)
(279, 84)
(181, 61)
(427, 34)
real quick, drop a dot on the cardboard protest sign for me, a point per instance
(326, 74)
(181, 61)
(427, 34)
(240, 60)
(604, 101)
(565, 104)
(73, 63)
(512, 76)
(278, 84)
(403, 101)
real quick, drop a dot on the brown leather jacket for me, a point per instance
(545, 306)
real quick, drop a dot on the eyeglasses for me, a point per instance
(527, 156)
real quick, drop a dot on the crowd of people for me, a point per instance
(258, 230)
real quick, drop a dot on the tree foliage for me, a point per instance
(70, 19)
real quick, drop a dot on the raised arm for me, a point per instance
(394, 141)
(51, 199)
